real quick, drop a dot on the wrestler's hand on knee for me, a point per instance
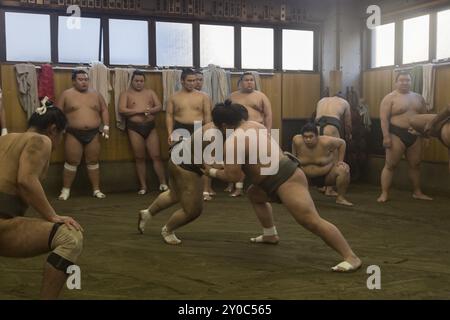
(68, 221)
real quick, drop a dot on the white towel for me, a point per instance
(99, 79)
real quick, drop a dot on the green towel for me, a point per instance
(417, 79)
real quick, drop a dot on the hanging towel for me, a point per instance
(122, 81)
(216, 83)
(99, 76)
(417, 79)
(28, 87)
(45, 83)
(171, 84)
(429, 80)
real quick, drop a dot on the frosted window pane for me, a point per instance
(416, 39)
(217, 46)
(174, 44)
(78, 45)
(128, 42)
(383, 45)
(257, 48)
(298, 50)
(443, 38)
(27, 37)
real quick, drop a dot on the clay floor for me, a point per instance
(409, 240)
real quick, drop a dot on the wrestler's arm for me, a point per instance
(231, 172)
(339, 145)
(267, 109)
(207, 109)
(169, 116)
(295, 142)
(103, 110)
(157, 106)
(32, 164)
(385, 116)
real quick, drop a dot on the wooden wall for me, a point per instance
(292, 96)
(378, 83)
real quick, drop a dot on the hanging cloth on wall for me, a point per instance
(99, 80)
(216, 83)
(122, 81)
(45, 83)
(171, 84)
(417, 79)
(429, 81)
(28, 87)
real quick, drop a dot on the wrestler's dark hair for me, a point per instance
(227, 113)
(137, 73)
(247, 73)
(53, 115)
(309, 127)
(197, 71)
(77, 72)
(340, 95)
(243, 110)
(402, 73)
(187, 72)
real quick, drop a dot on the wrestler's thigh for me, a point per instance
(73, 149)
(395, 152)
(92, 150)
(137, 144)
(152, 144)
(24, 237)
(414, 153)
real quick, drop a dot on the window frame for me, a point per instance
(3, 53)
(104, 17)
(315, 49)
(398, 20)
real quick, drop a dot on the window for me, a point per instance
(174, 44)
(443, 39)
(298, 50)
(78, 43)
(416, 36)
(257, 48)
(128, 42)
(217, 46)
(383, 45)
(27, 37)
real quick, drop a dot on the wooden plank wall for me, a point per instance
(378, 83)
(301, 92)
(291, 95)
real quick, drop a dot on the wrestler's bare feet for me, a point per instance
(341, 200)
(421, 196)
(266, 239)
(383, 198)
